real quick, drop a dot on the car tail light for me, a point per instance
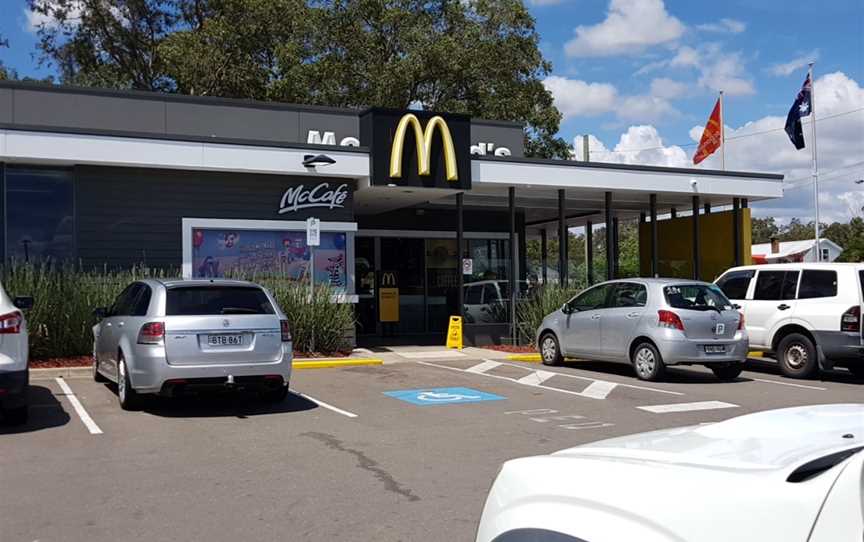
(851, 319)
(286, 331)
(11, 323)
(741, 321)
(151, 333)
(670, 320)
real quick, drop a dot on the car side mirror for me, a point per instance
(566, 309)
(23, 302)
(736, 306)
(100, 312)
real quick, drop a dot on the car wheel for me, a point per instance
(797, 356)
(647, 362)
(97, 376)
(857, 370)
(274, 395)
(17, 415)
(728, 372)
(128, 397)
(550, 352)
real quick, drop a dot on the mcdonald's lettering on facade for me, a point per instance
(418, 149)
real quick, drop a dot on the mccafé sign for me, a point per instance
(418, 148)
(324, 195)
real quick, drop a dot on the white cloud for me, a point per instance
(644, 109)
(726, 73)
(685, 57)
(725, 25)
(545, 2)
(669, 89)
(798, 63)
(578, 98)
(638, 145)
(35, 20)
(630, 27)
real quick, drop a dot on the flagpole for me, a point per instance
(815, 163)
(722, 136)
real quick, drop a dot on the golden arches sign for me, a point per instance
(423, 143)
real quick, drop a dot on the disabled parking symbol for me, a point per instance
(442, 396)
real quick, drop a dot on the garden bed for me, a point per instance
(87, 361)
(511, 349)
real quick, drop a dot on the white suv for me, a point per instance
(14, 351)
(807, 314)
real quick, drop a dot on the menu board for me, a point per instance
(221, 253)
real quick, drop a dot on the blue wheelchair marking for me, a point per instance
(442, 396)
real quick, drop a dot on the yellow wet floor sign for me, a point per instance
(454, 333)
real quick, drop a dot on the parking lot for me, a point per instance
(401, 451)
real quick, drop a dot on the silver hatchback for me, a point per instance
(167, 337)
(649, 323)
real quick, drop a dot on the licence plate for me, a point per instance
(715, 348)
(225, 340)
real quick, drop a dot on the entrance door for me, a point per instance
(364, 271)
(406, 257)
(442, 283)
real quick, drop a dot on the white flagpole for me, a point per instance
(722, 136)
(815, 163)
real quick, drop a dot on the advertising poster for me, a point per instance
(220, 253)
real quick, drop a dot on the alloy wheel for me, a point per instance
(645, 361)
(549, 349)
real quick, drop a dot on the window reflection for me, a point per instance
(39, 216)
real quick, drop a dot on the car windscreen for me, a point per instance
(696, 297)
(216, 300)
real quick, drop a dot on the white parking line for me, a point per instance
(481, 368)
(599, 389)
(686, 407)
(432, 354)
(323, 404)
(537, 377)
(79, 408)
(632, 386)
(789, 384)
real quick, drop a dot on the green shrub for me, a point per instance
(61, 320)
(541, 302)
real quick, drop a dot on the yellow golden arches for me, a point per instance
(423, 143)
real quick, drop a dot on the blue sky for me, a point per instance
(641, 77)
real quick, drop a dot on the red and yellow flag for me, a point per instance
(712, 137)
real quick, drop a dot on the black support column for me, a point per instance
(696, 252)
(655, 249)
(616, 248)
(544, 257)
(707, 208)
(460, 253)
(610, 241)
(736, 229)
(511, 200)
(673, 213)
(589, 252)
(562, 240)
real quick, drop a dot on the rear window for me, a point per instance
(736, 283)
(817, 284)
(696, 297)
(216, 300)
(776, 285)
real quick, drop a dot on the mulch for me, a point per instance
(87, 361)
(511, 349)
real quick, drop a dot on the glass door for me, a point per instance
(364, 271)
(442, 282)
(406, 259)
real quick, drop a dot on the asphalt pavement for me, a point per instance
(401, 451)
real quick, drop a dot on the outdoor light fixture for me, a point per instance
(859, 181)
(315, 160)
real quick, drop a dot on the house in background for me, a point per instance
(794, 251)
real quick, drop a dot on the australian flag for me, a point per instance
(801, 108)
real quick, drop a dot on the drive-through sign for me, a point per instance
(442, 396)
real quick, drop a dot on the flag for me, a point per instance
(712, 136)
(801, 108)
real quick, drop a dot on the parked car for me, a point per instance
(650, 323)
(14, 358)
(488, 301)
(808, 315)
(775, 476)
(170, 336)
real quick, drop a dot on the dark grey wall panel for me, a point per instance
(501, 135)
(342, 126)
(90, 112)
(231, 122)
(5, 105)
(126, 216)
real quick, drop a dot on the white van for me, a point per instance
(808, 315)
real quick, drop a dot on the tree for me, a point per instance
(5, 73)
(475, 57)
(764, 229)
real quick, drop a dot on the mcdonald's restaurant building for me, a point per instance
(422, 215)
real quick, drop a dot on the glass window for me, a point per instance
(818, 284)
(595, 298)
(696, 297)
(629, 294)
(125, 302)
(39, 215)
(490, 293)
(142, 303)
(221, 253)
(736, 283)
(776, 285)
(213, 300)
(473, 295)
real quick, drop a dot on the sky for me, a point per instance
(640, 77)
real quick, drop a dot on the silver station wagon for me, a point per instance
(649, 323)
(170, 336)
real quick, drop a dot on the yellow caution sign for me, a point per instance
(454, 333)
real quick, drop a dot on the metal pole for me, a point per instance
(312, 288)
(460, 253)
(544, 257)
(615, 248)
(562, 240)
(736, 229)
(673, 213)
(722, 136)
(511, 199)
(696, 253)
(655, 271)
(815, 163)
(707, 207)
(610, 242)
(586, 155)
(589, 252)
